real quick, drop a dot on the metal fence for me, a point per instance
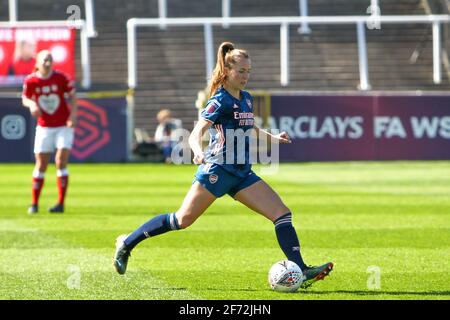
(360, 22)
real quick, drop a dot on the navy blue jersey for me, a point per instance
(231, 118)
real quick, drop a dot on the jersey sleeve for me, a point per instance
(68, 85)
(213, 110)
(27, 90)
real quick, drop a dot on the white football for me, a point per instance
(285, 276)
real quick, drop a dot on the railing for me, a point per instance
(12, 9)
(89, 13)
(90, 18)
(284, 23)
(162, 12)
(446, 35)
(226, 13)
(87, 28)
(84, 41)
(303, 8)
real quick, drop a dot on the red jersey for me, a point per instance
(49, 94)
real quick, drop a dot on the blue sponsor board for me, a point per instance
(16, 132)
(100, 134)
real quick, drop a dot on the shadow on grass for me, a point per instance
(351, 292)
(380, 292)
(233, 289)
(169, 289)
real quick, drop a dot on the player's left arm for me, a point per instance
(72, 97)
(195, 139)
(281, 137)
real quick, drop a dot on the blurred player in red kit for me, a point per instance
(44, 93)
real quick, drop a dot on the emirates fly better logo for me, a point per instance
(91, 133)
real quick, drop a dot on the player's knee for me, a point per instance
(60, 163)
(281, 211)
(184, 220)
(40, 166)
(184, 223)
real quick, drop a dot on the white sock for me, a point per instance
(38, 174)
(62, 172)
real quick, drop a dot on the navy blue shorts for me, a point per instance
(218, 181)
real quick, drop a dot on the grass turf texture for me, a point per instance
(393, 215)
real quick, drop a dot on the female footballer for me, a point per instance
(229, 108)
(44, 93)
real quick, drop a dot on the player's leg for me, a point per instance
(261, 198)
(63, 144)
(197, 200)
(43, 146)
(40, 167)
(62, 178)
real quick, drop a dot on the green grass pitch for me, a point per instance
(393, 217)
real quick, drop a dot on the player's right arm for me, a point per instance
(28, 102)
(195, 140)
(32, 105)
(213, 110)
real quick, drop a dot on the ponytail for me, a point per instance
(225, 59)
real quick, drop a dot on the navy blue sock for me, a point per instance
(288, 240)
(155, 226)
